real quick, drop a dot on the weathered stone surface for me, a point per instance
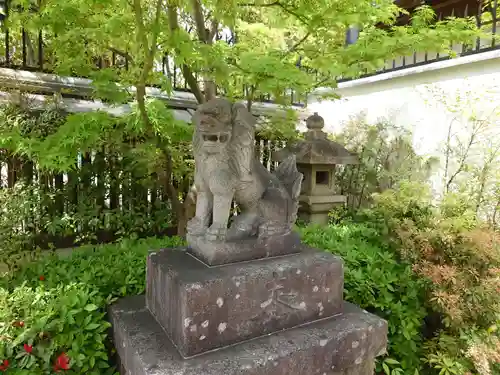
(223, 252)
(344, 344)
(203, 308)
(227, 170)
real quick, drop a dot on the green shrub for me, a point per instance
(16, 234)
(386, 272)
(42, 326)
(53, 310)
(377, 282)
(459, 259)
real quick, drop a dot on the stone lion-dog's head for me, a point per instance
(221, 125)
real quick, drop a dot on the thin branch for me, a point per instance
(122, 53)
(193, 83)
(148, 62)
(141, 33)
(297, 45)
(186, 70)
(213, 29)
(263, 75)
(150, 54)
(302, 19)
(323, 81)
(461, 164)
(250, 98)
(199, 21)
(259, 5)
(204, 37)
(154, 38)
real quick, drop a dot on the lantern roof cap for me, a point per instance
(316, 148)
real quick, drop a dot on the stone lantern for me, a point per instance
(317, 158)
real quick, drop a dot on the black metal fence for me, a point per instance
(485, 13)
(20, 49)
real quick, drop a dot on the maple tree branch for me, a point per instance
(204, 36)
(148, 62)
(293, 13)
(297, 45)
(213, 29)
(186, 70)
(122, 53)
(154, 38)
(141, 33)
(259, 5)
(278, 3)
(264, 75)
(199, 21)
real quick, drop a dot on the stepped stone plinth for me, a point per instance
(204, 308)
(249, 299)
(344, 344)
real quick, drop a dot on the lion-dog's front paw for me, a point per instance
(195, 227)
(216, 232)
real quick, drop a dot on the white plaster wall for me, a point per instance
(402, 96)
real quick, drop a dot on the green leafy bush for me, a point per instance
(376, 281)
(459, 259)
(86, 177)
(16, 234)
(53, 310)
(44, 326)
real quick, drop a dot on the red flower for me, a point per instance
(28, 348)
(18, 324)
(5, 365)
(42, 278)
(62, 362)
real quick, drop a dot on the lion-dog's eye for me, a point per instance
(210, 137)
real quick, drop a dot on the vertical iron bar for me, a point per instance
(439, 19)
(40, 50)
(466, 12)
(494, 19)
(23, 33)
(7, 37)
(452, 15)
(175, 76)
(479, 24)
(7, 48)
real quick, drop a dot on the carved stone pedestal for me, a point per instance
(273, 316)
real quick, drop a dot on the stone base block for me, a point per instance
(203, 308)
(344, 344)
(217, 253)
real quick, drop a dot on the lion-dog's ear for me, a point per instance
(242, 139)
(242, 117)
(197, 137)
(243, 125)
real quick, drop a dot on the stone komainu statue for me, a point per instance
(226, 170)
